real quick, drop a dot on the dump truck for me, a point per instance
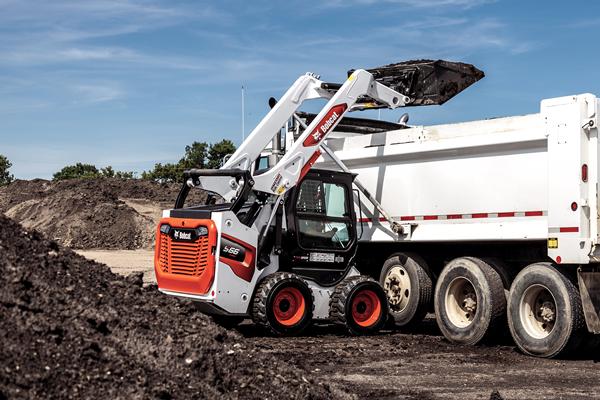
(492, 224)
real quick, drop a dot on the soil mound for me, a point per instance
(73, 329)
(90, 213)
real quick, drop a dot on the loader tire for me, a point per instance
(406, 280)
(545, 315)
(470, 304)
(283, 304)
(360, 304)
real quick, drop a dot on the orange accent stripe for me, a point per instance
(311, 161)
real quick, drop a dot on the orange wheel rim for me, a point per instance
(366, 308)
(289, 306)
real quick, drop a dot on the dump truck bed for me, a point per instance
(514, 178)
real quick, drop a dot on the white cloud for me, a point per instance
(411, 3)
(98, 93)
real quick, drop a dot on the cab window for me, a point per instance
(323, 215)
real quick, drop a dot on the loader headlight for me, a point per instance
(202, 231)
(164, 228)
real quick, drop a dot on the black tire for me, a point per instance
(359, 303)
(408, 305)
(283, 304)
(227, 321)
(470, 304)
(545, 332)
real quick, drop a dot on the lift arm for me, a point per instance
(421, 82)
(305, 151)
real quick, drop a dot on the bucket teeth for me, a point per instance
(425, 82)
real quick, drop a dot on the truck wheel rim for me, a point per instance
(366, 308)
(537, 311)
(289, 306)
(397, 288)
(461, 302)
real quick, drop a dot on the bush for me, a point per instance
(165, 173)
(5, 176)
(89, 171)
(197, 155)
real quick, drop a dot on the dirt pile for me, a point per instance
(90, 213)
(73, 329)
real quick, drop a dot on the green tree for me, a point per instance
(218, 151)
(195, 155)
(78, 170)
(5, 176)
(125, 175)
(107, 172)
(165, 172)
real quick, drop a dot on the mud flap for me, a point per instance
(589, 288)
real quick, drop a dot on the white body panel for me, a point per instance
(509, 178)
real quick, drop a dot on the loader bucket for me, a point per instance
(425, 82)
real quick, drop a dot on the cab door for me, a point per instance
(322, 226)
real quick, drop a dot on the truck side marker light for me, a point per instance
(558, 259)
(574, 206)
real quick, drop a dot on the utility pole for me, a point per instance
(243, 115)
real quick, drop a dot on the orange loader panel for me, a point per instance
(184, 255)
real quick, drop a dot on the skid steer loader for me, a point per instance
(279, 245)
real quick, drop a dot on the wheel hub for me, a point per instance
(366, 308)
(461, 302)
(537, 311)
(397, 288)
(470, 302)
(547, 311)
(289, 306)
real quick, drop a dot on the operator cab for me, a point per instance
(320, 242)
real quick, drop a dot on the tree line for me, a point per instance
(197, 155)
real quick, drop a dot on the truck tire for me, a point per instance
(359, 303)
(545, 316)
(469, 301)
(283, 304)
(406, 281)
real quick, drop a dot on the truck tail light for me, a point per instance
(584, 172)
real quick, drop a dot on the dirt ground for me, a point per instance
(125, 262)
(72, 329)
(413, 364)
(397, 364)
(92, 213)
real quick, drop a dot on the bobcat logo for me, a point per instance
(182, 235)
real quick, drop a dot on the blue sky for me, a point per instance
(130, 83)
